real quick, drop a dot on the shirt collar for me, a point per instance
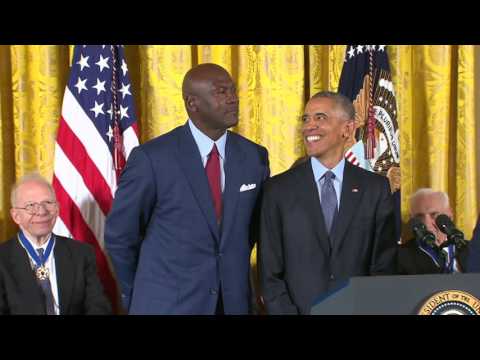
(319, 169)
(205, 144)
(34, 245)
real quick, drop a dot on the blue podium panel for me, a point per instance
(404, 295)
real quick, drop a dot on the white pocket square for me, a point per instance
(246, 187)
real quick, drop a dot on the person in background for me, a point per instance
(43, 273)
(416, 257)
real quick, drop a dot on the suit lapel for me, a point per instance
(307, 190)
(233, 166)
(25, 278)
(423, 262)
(352, 191)
(65, 273)
(191, 162)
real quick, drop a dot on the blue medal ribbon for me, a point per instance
(447, 266)
(31, 251)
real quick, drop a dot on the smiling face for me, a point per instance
(40, 224)
(325, 130)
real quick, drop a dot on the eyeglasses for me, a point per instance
(34, 208)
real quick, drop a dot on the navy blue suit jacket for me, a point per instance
(169, 253)
(473, 260)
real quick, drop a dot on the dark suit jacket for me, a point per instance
(473, 261)
(162, 235)
(297, 263)
(80, 291)
(413, 261)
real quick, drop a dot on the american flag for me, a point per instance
(97, 131)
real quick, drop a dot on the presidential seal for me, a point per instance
(451, 302)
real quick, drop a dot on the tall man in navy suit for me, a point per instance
(324, 220)
(181, 229)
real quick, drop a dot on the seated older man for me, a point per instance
(40, 272)
(417, 257)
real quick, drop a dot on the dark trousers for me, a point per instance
(219, 309)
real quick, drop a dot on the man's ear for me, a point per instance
(349, 129)
(15, 216)
(191, 103)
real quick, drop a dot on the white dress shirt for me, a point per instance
(205, 145)
(319, 170)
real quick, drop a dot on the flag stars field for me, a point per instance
(102, 63)
(81, 84)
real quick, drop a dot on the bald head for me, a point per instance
(210, 98)
(26, 181)
(425, 205)
(428, 198)
(201, 74)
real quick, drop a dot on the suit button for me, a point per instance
(332, 277)
(213, 291)
(219, 254)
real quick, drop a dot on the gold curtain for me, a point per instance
(435, 88)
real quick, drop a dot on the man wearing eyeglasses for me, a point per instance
(40, 272)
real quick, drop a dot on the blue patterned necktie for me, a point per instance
(46, 288)
(329, 200)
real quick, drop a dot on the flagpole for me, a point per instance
(118, 151)
(370, 143)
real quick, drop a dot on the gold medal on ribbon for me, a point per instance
(42, 273)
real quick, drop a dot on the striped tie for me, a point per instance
(329, 200)
(46, 288)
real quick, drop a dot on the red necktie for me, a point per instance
(213, 173)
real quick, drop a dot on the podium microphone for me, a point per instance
(454, 236)
(422, 234)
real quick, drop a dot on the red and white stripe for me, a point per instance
(351, 158)
(85, 182)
